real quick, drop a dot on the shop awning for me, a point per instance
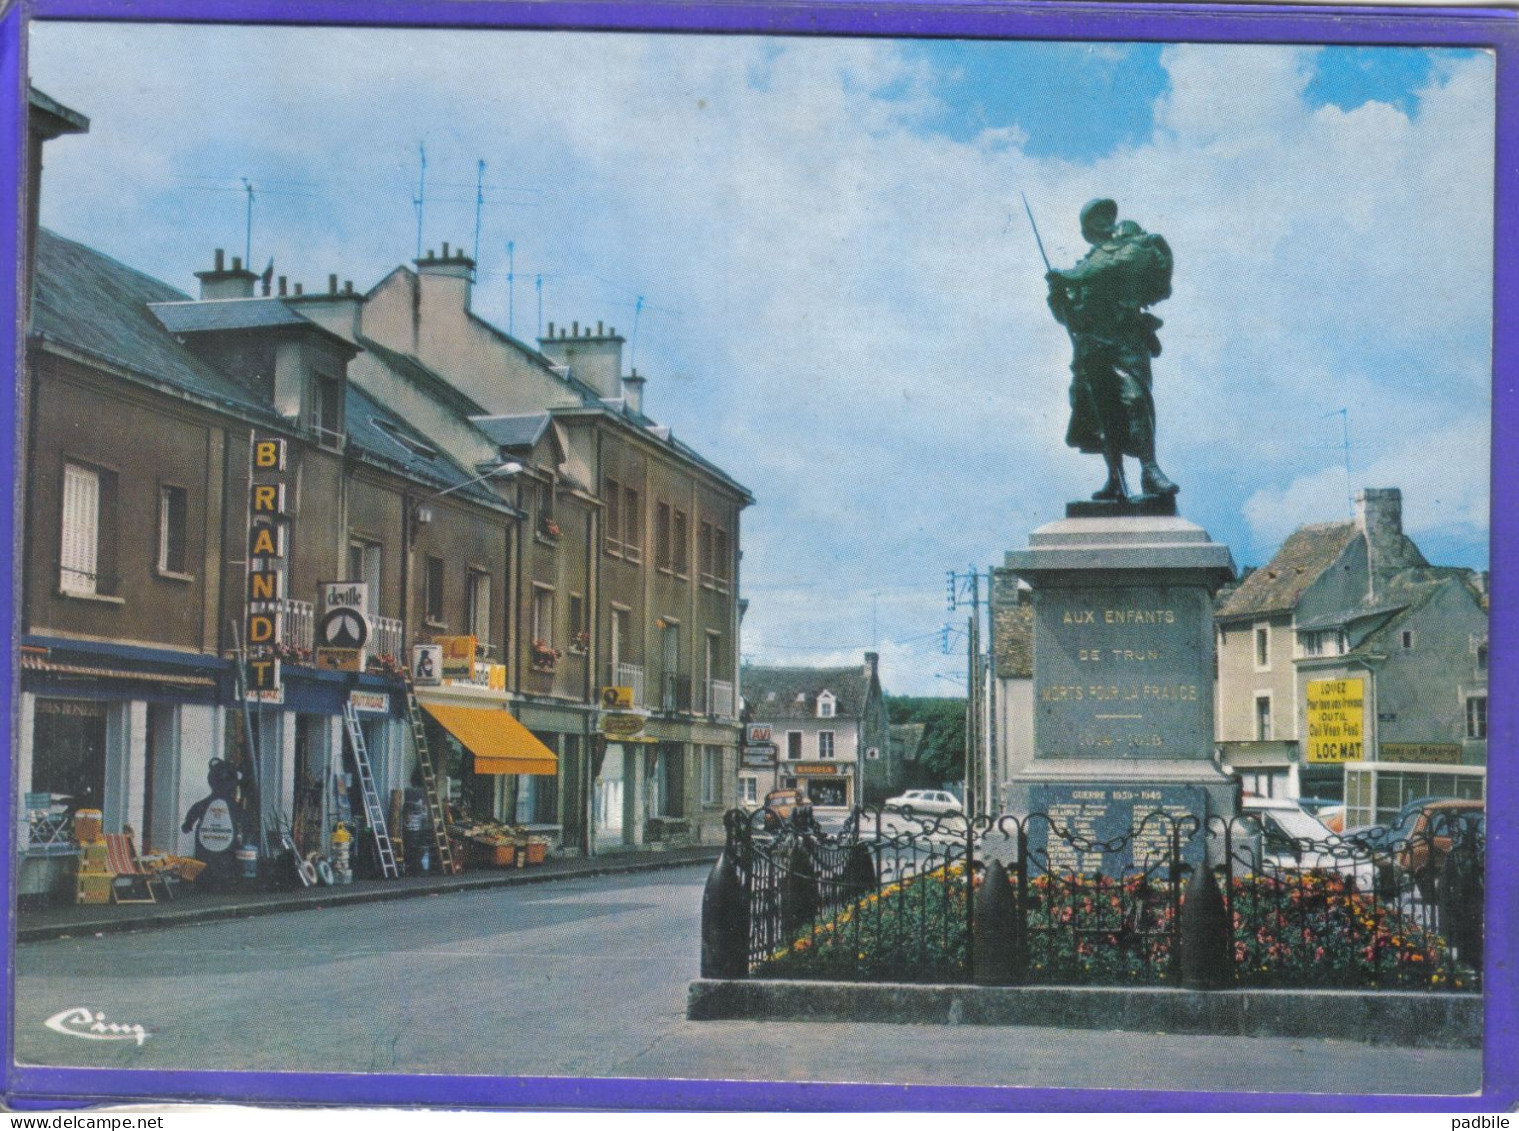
(500, 744)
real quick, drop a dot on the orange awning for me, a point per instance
(500, 744)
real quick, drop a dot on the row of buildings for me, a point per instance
(513, 503)
(1348, 668)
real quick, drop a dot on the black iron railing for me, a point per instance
(1175, 899)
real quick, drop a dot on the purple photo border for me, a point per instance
(1489, 28)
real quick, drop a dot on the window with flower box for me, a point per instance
(544, 655)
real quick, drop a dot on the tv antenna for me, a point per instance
(1344, 415)
(479, 205)
(248, 230)
(420, 198)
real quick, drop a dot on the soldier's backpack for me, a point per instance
(1153, 274)
(1147, 261)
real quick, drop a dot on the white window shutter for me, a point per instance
(79, 553)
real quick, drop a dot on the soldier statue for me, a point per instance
(1103, 301)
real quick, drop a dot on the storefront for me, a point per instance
(128, 731)
(826, 783)
(497, 767)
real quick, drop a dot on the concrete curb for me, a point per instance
(315, 899)
(1379, 1017)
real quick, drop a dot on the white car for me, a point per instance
(932, 802)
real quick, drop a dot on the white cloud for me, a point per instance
(844, 308)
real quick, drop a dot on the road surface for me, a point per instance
(582, 977)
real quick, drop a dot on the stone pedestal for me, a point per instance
(1123, 672)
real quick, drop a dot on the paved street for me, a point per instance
(583, 977)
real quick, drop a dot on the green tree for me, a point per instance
(941, 758)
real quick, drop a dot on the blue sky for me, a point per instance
(841, 298)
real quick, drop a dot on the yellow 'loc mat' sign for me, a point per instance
(1336, 720)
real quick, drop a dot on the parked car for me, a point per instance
(933, 802)
(1435, 828)
(787, 805)
(1328, 812)
(1292, 841)
(1400, 828)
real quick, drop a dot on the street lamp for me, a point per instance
(421, 511)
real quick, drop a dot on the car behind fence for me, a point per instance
(1176, 899)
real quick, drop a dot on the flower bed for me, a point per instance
(909, 931)
(1314, 930)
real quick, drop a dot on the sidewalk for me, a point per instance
(63, 921)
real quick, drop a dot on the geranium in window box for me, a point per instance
(545, 657)
(549, 528)
(580, 643)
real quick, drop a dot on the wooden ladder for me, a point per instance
(374, 813)
(446, 863)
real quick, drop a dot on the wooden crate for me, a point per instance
(93, 887)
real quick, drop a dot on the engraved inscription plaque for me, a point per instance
(1105, 812)
(1123, 672)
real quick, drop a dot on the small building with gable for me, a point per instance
(831, 729)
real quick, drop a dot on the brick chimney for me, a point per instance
(594, 357)
(1379, 516)
(632, 390)
(873, 662)
(446, 279)
(223, 282)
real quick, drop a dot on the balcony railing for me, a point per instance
(299, 627)
(720, 699)
(387, 638)
(629, 675)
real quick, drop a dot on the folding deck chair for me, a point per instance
(133, 883)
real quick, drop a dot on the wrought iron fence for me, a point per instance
(1030, 900)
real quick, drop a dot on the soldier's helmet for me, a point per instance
(1097, 219)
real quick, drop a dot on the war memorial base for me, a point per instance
(1123, 674)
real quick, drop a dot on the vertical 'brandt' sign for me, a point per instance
(268, 550)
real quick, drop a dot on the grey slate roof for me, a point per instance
(772, 693)
(227, 314)
(1302, 560)
(1414, 588)
(513, 431)
(372, 429)
(428, 380)
(89, 301)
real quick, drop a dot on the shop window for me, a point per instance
(432, 595)
(87, 551)
(1476, 716)
(69, 751)
(173, 532)
(748, 791)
